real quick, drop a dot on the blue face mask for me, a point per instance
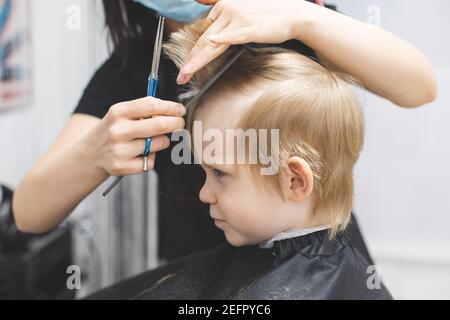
(179, 10)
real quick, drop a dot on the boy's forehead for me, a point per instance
(224, 111)
(218, 119)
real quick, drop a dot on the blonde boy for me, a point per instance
(321, 133)
(285, 231)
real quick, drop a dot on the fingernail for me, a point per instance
(182, 110)
(179, 78)
(188, 69)
(182, 78)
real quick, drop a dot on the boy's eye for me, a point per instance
(218, 173)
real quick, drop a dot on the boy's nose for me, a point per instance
(206, 195)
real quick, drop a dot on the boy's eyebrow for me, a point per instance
(204, 165)
(208, 166)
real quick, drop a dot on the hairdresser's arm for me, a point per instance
(86, 153)
(59, 181)
(385, 64)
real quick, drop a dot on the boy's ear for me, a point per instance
(300, 179)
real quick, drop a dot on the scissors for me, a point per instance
(152, 87)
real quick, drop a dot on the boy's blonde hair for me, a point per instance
(318, 116)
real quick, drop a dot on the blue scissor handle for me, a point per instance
(152, 87)
(151, 92)
(148, 143)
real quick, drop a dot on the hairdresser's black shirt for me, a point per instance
(181, 214)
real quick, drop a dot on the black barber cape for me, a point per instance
(305, 267)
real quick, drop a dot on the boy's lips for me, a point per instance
(217, 220)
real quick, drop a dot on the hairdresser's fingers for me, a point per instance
(203, 41)
(146, 108)
(216, 11)
(136, 165)
(188, 68)
(137, 147)
(130, 150)
(231, 36)
(149, 106)
(208, 54)
(154, 127)
(207, 2)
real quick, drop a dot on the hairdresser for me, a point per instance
(105, 136)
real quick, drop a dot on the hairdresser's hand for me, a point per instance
(119, 139)
(239, 22)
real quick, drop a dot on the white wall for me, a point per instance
(63, 61)
(402, 178)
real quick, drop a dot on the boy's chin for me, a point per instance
(234, 240)
(238, 241)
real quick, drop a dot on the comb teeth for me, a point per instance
(210, 83)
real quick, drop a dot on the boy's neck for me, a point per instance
(304, 216)
(292, 234)
(312, 223)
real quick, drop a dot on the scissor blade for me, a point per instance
(160, 44)
(158, 47)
